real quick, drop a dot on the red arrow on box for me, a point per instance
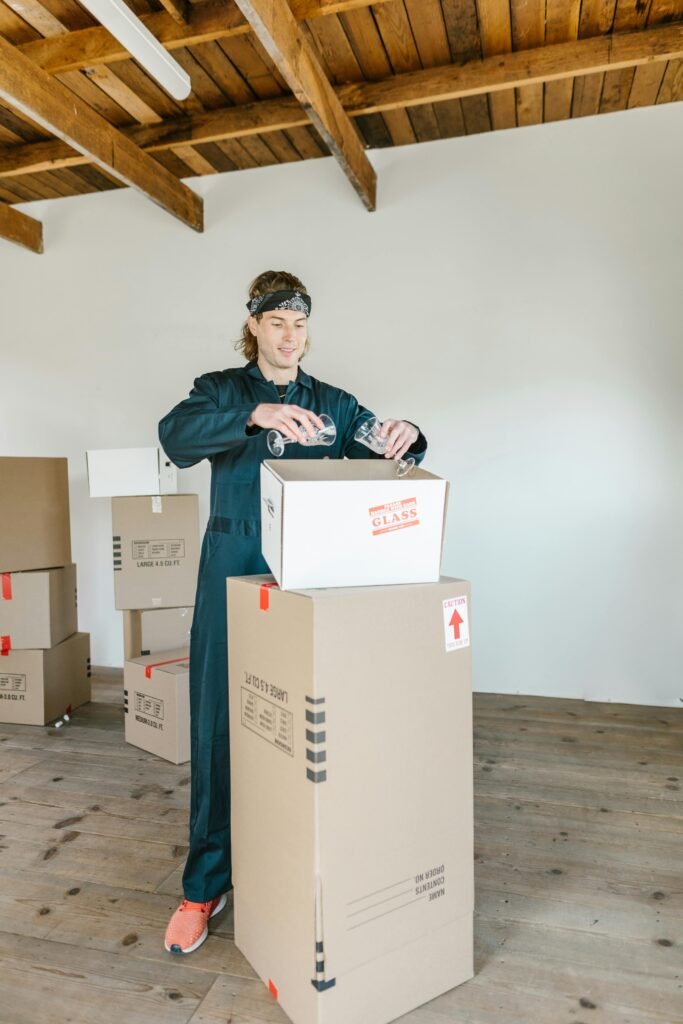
(456, 622)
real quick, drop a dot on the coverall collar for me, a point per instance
(254, 370)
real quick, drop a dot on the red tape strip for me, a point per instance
(264, 596)
(7, 586)
(272, 987)
(5, 645)
(172, 661)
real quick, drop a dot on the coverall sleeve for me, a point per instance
(201, 426)
(357, 414)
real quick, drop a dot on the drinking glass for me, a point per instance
(369, 434)
(326, 435)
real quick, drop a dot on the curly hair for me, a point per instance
(269, 281)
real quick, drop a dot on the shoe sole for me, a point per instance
(175, 948)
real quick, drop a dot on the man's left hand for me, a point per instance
(401, 436)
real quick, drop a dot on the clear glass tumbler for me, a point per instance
(326, 435)
(369, 434)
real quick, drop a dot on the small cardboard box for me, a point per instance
(156, 694)
(38, 608)
(120, 472)
(38, 686)
(351, 766)
(349, 523)
(156, 551)
(149, 630)
(34, 514)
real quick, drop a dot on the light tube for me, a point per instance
(125, 26)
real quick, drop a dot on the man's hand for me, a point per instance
(291, 420)
(401, 436)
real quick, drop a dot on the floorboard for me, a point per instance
(578, 854)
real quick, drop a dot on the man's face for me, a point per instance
(281, 337)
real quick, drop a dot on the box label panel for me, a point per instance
(149, 710)
(395, 515)
(12, 682)
(427, 885)
(456, 624)
(272, 723)
(151, 554)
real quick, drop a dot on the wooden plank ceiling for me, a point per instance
(404, 71)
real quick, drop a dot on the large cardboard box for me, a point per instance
(38, 608)
(347, 523)
(148, 630)
(116, 472)
(156, 694)
(156, 551)
(351, 761)
(38, 686)
(34, 514)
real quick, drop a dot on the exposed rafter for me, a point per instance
(278, 32)
(17, 227)
(207, 21)
(178, 9)
(43, 99)
(548, 63)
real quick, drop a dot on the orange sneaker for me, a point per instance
(189, 925)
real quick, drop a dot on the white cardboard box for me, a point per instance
(351, 766)
(350, 523)
(123, 472)
(156, 695)
(148, 630)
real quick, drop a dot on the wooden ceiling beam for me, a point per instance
(206, 22)
(561, 60)
(18, 228)
(43, 99)
(515, 70)
(278, 32)
(178, 9)
(212, 126)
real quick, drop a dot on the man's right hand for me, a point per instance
(291, 420)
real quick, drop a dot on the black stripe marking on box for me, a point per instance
(319, 981)
(315, 737)
(316, 753)
(316, 756)
(321, 986)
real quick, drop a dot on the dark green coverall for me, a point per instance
(211, 424)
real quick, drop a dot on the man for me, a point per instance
(226, 419)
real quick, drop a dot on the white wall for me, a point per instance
(517, 294)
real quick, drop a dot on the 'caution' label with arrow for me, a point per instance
(456, 623)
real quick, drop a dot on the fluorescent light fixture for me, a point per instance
(125, 26)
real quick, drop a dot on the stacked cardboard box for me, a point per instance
(155, 547)
(44, 661)
(351, 746)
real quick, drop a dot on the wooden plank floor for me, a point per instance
(579, 864)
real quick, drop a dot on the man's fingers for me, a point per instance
(301, 423)
(310, 421)
(396, 439)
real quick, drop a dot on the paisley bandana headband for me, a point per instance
(298, 301)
